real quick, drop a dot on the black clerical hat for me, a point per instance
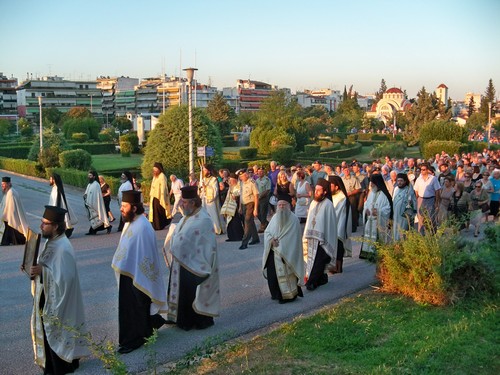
(54, 214)
(131, 196)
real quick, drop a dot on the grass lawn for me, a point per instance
(110, 162)
(372, 333)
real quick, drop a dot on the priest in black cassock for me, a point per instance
(141, 288)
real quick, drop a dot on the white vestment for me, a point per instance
(13, 213)
(192, 244)
(209, 194)
(320, 229)
(401, 198)
(344, 221)
(288, 256)
(70, 218)
(63, 312)
(137, 257)
(95, 206)
(376, 227)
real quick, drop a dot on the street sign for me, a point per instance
(209, 151)
(200, 151)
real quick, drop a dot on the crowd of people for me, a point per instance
(307, 215)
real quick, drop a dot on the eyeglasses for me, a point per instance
(423, 169)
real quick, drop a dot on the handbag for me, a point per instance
(485, 207)
(302, 201)
(409, 212)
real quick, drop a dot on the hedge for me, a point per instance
(312, 150)
(96, 148)
(346, 152)
(435, 147)
(232, 165)
(133, 139)
(283, 154)
(15, 152)
(80, 137)
(26, 167)
(125, 148)
(248, 152)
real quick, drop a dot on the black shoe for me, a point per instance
(108, 230)
(243, 247)
(310, 286)
(91, 233)
(254, 242)
(125, 349)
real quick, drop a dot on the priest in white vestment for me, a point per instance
(403, 198)
(283, 262)
(94, 203)
(58, 323)
(141, 289)
(209, 194)
(377, 215)
(343, 213)
(13, 226)
(191, 250)
(58, 198)
(320, 236)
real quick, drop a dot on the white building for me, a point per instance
(442, 93)
(327, 98)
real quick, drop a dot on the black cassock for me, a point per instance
(12, 237)
(134, 319)
(160, 220)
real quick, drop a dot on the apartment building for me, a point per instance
(118, 95)
(56, 92)
(327, 98)
(8, 96)
(251, 94)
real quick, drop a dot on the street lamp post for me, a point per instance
(41, 131)
(190, 75)
(489, 124)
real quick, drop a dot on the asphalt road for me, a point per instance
(245, 299)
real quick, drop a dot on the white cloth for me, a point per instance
(344, 221)
(209, 194)
(13, 212)
(192, 244)
(175, 189)
(137, 257)
(302, 204)
(401, 199)
(125, 186)
(289, 250)
(63, 312)
(70, 218)
(320, 229)
(376, 227)
(95, 205)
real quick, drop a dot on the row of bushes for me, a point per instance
(344, 153)
(21, 152)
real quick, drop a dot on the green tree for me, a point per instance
(53, 145)
(122, 123)
(425, 108)
(471, 108)
(78, 112)
(316, 120)
(489, 97)
(4, 127)
(244, 119)
(349, 115)
(52, 118)
(441, 130)
(380, 93)
(25, 128)
(168, 141)
(221, 113)
(86, 125)
(477, 121)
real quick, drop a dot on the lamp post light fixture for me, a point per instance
(189, 76)
(489, 124)
(41, 129)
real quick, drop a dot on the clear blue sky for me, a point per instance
(294, 44)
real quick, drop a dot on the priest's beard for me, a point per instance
(91, 180)
(282, 215)
(319, 199)
(128, 217)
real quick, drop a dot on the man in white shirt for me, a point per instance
(175, 190)
(428, 191)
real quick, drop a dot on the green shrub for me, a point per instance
(441, 130)
(76, 159)
(53, 145)
(346, 152)
(80, 137)
(351, 138)
(282, 153)
(440, 268)
(232, 165)
(125, 148)
(15, 151)
(133, 139)
(261, 163)
(312, 150)
(435, 147)
(248, 152)
(87, 125)
(393, 149)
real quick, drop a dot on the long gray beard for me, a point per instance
(283, 216)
